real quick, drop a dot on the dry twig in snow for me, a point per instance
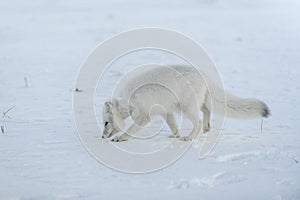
(5, 112)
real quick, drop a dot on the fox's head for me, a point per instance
(112, 120)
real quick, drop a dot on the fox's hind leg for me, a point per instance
(206, 119)
(206, 109)
(197, 125)
(194, 133)
(170, 119)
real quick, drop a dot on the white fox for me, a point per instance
(178, 89)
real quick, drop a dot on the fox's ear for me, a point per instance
(107, 105)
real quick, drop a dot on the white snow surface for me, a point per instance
(255, 45)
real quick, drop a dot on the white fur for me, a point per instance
(164, 91)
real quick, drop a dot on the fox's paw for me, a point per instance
(186, 138)
(121, 138)
(174, 136)
(206, 127)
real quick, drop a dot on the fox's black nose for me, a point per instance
(103, 136)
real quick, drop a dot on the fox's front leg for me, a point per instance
(134, 128)
(140, 122)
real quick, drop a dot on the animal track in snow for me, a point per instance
(219, 178)
(241, 156)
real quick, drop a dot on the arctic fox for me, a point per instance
(176, 89)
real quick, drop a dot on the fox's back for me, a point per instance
(177, 78)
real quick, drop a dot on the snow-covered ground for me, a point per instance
(255, 44)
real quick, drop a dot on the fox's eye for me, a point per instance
(105, 124)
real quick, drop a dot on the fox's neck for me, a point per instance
(124, 114)
(123, 109)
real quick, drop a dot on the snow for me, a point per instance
(255, 45)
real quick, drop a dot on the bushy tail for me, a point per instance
(243, 108)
